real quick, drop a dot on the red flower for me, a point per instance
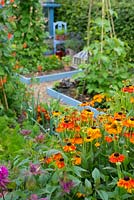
(116, 157)
(129, 89)
(126, 183)
(2, 2)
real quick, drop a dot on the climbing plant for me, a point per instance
(107, 66)
(76, 16)
(29, 34)
(12, 92)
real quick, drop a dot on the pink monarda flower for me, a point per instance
(3, 176)
(35, 169)
(40, 138)
(25, 132)
(35, 197)
(66, 185)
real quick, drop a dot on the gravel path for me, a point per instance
(39, 89)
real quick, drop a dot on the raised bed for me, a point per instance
(70, 101)
(50, 77)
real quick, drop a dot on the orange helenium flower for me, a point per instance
(76, 160)
(129, 122)
(127, 183)
(69, 147)
(86, 114)
(108, 139)
(129, 89)
(60, 163)
(94, 133)
(113, 127)
(116, 157)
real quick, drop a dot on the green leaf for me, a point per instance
(77, 170)
(96, 175)
(103, 195)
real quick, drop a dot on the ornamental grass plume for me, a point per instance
(3, 177)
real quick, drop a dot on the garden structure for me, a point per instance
(50, 150)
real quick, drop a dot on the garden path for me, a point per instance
(39, 89)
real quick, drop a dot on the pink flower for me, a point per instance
(67, 185)
(25, 132)
(3, 176)
(35, 169)
(40, 138)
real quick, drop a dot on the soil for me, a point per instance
(35, 74)
(70, 88)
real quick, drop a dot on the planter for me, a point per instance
(61, 37)
(70, 101)
(50, 77)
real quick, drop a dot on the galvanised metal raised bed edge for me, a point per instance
(50, 77)
(70, 101)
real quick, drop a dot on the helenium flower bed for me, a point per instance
(68, 153)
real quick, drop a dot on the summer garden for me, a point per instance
(50, 150)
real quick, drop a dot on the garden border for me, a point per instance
(70, 101)
(50, 77)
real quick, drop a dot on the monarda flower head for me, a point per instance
(3, 176)
(67, 185)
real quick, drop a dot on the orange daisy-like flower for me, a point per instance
(76, 160)
(132, 140)
(126, 183)
(94, 132)
(9, 36)
(129, 122)
(86, 114)
(119, 115)
(46, 160)
(113, 127)
(80, 195)
(56, 113)
(84, 103)
(132, 100)
(129, 89)
(88, 139)
(60, 163)
(98, 97)
(116, 157)
(57, 156)
(69, 147)
(77, 139)
(108, 139)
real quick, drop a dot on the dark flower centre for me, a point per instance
(93, 127)
(132, 118)
(88, 110)
(116, 154)
(69, 144)
(61, 159)
(126, 178)
(119, 113)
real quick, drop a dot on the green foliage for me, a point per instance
(29, 34)
(106, 70)
(76, 18)
(124, 24)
